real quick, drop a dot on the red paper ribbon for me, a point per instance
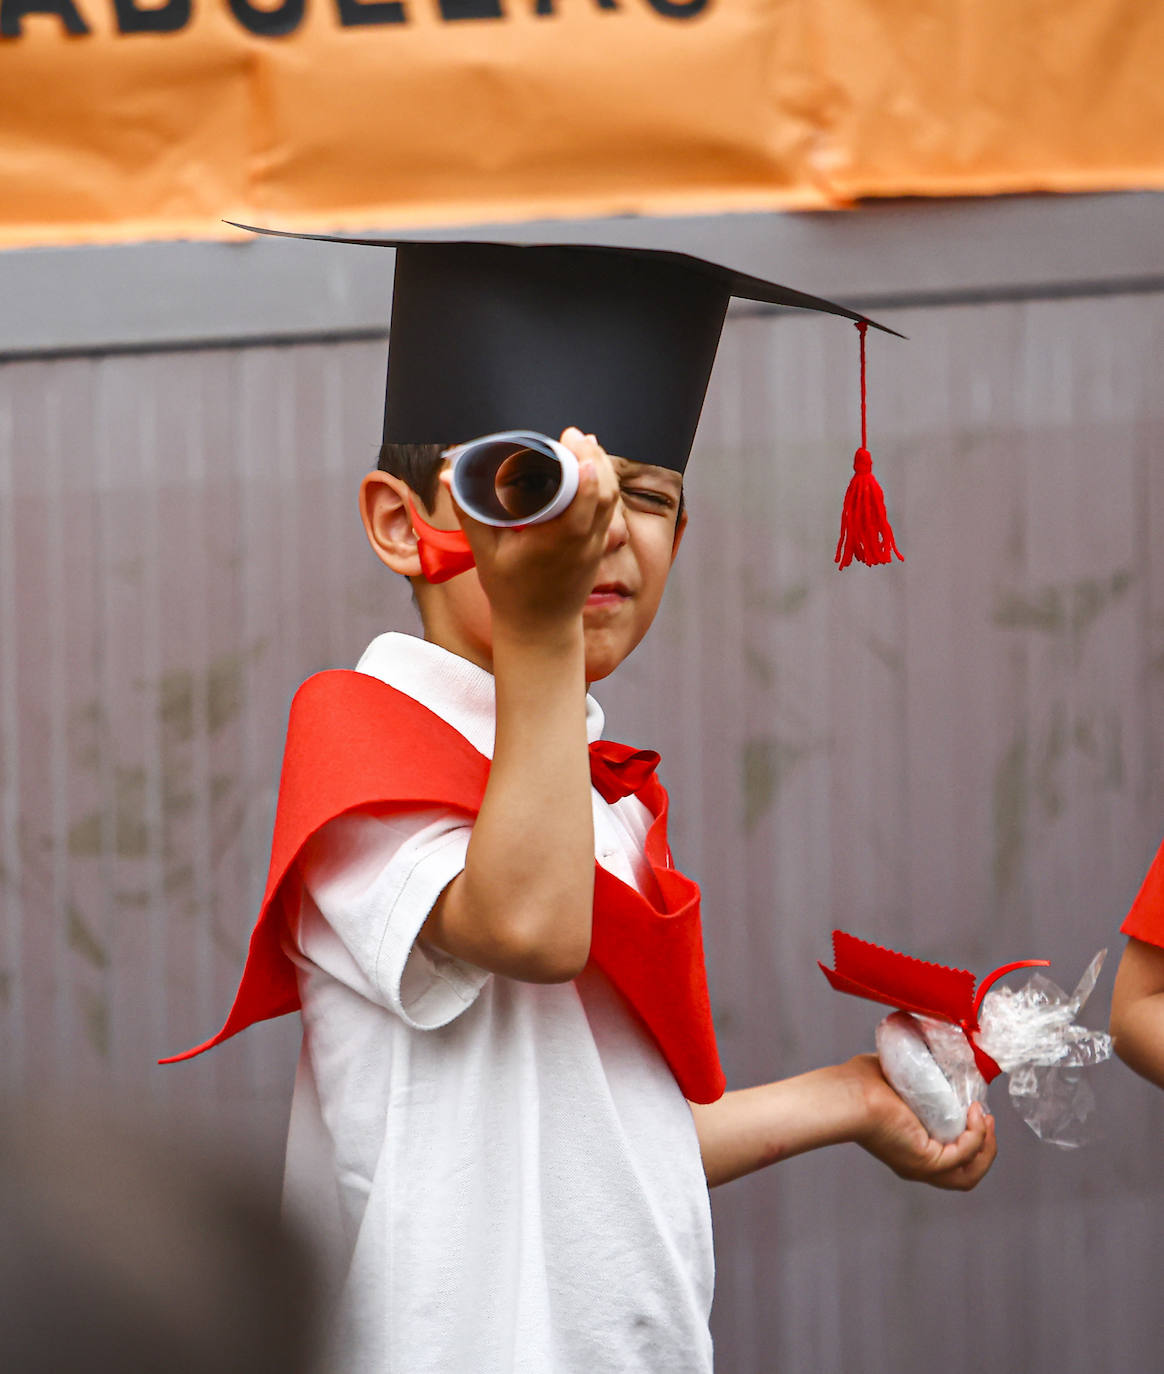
(898, 980)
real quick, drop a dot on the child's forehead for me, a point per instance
(627, 467)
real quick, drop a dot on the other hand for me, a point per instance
(896, 1137)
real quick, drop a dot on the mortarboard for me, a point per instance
(486, 337)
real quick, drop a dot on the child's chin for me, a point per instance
(600, 664)
(603, 655)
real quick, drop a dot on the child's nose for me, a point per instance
(616, 534)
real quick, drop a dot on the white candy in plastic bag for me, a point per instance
(931, 1066)
(1029, 1032)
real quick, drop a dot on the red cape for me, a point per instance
(354, 743)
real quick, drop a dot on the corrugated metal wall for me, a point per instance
(960, 756)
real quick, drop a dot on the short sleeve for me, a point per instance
(1145, 921)
(369, 881)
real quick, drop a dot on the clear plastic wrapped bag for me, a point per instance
(1031, 1034)
(931, 1067)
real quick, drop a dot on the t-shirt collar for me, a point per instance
(451, 687)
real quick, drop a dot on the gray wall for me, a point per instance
(959, 756)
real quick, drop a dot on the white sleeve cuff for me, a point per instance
(370, 881)
(425, 986)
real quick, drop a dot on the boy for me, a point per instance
(509, 1103)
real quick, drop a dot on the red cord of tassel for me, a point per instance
(866, 534)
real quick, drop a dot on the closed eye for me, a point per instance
(661, 500)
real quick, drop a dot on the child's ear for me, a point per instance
(680, 530)
(384, 509)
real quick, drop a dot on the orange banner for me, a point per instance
(134, 119)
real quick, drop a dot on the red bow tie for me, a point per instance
(617, 770)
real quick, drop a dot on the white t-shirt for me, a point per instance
(505, 1175)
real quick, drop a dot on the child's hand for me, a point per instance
(539, 577)
(895, 1136)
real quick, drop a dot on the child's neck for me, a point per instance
(442, 627)
(465, 648)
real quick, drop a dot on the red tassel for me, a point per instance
(866, 533)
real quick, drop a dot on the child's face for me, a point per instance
(641, 545)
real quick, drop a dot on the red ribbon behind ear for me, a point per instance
(897, 980)
(443, 553)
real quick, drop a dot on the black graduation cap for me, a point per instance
(500, 336)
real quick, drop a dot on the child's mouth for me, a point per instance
(608, 594)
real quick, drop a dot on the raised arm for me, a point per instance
(1137, 1010)
(523, 904)
(751, 1128)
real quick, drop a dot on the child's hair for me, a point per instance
(418, 465)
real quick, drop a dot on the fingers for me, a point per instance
(974, 1152)
(597, 480)
(586, 448)
(971, 1140)
(582, 446)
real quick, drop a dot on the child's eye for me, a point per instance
(660, 500)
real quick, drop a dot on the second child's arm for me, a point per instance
(523, 904)
(1137, 1010)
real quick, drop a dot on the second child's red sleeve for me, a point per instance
(1145, 921)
